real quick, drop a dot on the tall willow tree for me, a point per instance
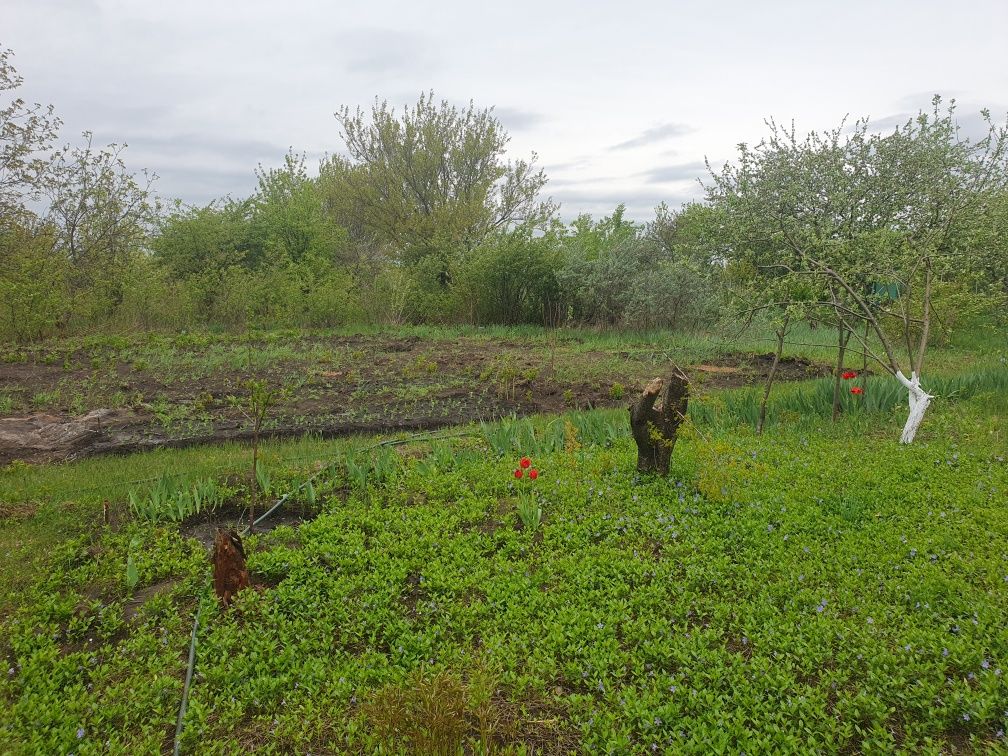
(431, 181)
(866, 215)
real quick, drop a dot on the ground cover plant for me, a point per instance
(818, 587)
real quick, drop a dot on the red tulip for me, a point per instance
(519, 473)
(857, 390)
(525, 462)
(533, 474)
(849, 374)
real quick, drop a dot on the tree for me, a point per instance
(26, 131)
(866, 216)
(102, 214)
(205, 240)
(33, 277)
(433, 181)
(289, 216)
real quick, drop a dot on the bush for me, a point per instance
(956, 310)
(618, 273)
(511, 279)
(33, 282)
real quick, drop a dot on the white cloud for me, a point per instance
(203, 91)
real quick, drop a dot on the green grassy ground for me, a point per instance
(817, 588)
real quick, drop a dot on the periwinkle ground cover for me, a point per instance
(817, 589)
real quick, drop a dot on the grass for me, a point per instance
(819, 588)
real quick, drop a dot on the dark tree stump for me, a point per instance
(230, 572)
(655, 422)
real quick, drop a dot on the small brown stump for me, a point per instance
(230, 572)
(655, 422)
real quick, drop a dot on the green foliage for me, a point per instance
(289, 219)
(821, 220)
(617, 273)
(172, 500)
(514, 435)
(815, 589)
(377, 467)
(132, 573)
(101, 213)
(530, 512)
(431, 181)
(883, 396)
(511, 278)
(26, 133)
(34, 280)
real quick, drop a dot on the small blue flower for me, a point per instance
(985, 664)
(966, 716)
(945, 652)
(80, 733)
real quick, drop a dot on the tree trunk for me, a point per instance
(844, 337)
(655, 423)
(918, 400)
(230, 572)
(781, 334)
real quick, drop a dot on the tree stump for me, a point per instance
(230, 572)
(655, 422)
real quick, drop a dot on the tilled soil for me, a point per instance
(82, 403)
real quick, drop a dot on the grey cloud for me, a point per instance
(580, 181)
(379, 52)
(640, 203)
(200, 185)
(581, 162)
(922, 100)
(889, 123)
(244, 151)
(968, 115)
(656, 134)
(518, 119)
(674, 173)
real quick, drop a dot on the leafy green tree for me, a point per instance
(617, 272)
(26, 131)
(601, 259)
(511, 278)
(865, 215)
(192, 240)
(432, 181)
(33, 279)
(102, 214)
(289, 216)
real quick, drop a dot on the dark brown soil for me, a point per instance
(79, 405)
(203, 527)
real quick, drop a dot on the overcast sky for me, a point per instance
(621, 102)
